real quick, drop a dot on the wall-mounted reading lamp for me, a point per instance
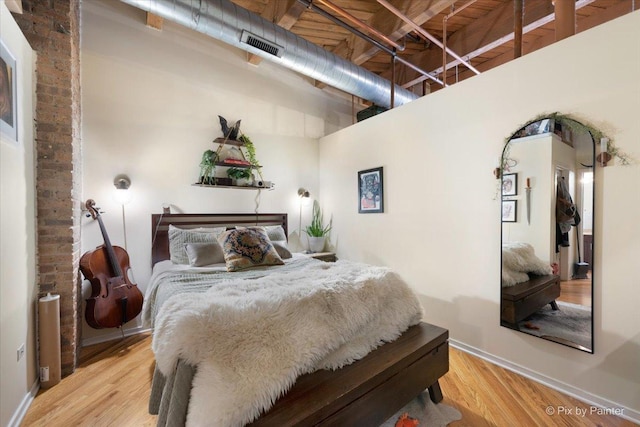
(123, 196)
(305, 198)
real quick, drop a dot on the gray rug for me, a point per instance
(571, 324)
(427, 413)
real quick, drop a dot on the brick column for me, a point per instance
(52, 28)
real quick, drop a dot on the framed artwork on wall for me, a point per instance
(370, 191)
(510, 184)
(8, 94)
(509, 210)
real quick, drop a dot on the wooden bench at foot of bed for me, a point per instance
(524, 299)
(368, 391)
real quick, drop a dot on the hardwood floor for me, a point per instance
(111, 388)
(577, 291)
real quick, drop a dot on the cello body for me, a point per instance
(115, 299)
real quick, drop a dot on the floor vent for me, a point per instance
(262, 44)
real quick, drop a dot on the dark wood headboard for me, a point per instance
(160, 226)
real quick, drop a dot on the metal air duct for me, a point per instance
(225, 21)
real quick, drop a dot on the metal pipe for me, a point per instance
(376, 43)
(444, 36)
(231, 24)
(422, 31)
(393, 80)
(349, 17)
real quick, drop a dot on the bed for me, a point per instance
(341, 344)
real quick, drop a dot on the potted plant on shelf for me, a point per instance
(241, 176)
(208, 167)
(317, 231)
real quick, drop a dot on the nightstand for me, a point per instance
(323, 256)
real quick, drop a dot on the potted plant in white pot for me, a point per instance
(317, 231)
(241, 176)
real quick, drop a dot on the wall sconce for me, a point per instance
(305, 199)
(604, 156)
(122, 184)
(123, 196)
(302, 192)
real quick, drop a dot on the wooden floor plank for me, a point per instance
(112, 384)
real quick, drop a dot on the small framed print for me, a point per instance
(370, 191)
(8, 95)
(509, 210)
(510, 184)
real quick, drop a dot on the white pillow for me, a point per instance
(179, 237)
(201, 254)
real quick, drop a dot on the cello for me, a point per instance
(115, 299)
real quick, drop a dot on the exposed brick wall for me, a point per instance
(52, 28)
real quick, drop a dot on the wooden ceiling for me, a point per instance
(481, 32)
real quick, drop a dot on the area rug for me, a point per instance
(425, 412)
(571, 324)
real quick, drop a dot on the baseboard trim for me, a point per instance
(116, 334)
(26, 402)
(583, 396)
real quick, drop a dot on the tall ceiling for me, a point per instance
(480, 32)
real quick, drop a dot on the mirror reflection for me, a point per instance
(547, 177)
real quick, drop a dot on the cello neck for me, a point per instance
(113, 260)
(115, 265)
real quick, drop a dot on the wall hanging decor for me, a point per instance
(8, 94)
(370, 191)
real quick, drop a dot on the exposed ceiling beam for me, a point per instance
(419, 11)
(609, 14)
(484, 34)
(282, 13)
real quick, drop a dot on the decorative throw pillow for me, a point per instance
(278, 238)
(248, 247)
(179, 237)
(282, 249)
(201, 254)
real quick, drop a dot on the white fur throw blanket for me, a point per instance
(251, 339)
(519, 259)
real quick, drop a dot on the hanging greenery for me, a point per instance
(251, 153)
(576, 127)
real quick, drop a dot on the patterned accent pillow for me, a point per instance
(248, 247)
(201, 254)
(179, 237)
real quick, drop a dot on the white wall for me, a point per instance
(441, 226)
(150, 103)
(18, 290)
(533, 154)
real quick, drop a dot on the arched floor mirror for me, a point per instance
(547, 174)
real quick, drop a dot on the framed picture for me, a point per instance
(370, 196)
(8, 94)
(509, 210)
(510, 184)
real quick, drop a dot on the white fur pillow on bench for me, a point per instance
(519, 259)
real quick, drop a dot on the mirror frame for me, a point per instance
(575, 125)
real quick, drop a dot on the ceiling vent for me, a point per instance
(262, 44)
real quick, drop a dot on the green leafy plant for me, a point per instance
(208, 167)
(251, 153)
(239, 173)
(317, 227)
